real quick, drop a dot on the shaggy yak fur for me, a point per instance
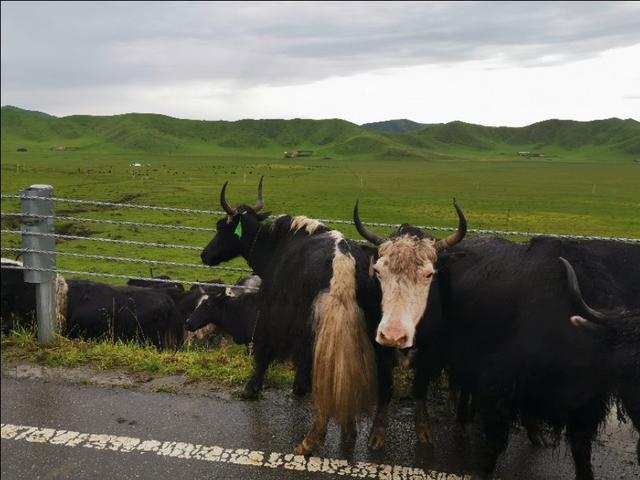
(507, 341)
(317, 305)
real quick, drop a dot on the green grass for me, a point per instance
(588, 184)
(229, 365)
(525, 195)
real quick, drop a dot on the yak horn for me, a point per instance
(372, 237)
(578, 300)
(259, 201)
(223, 201)
(454, 238)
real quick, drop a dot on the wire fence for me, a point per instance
(112, 222)
(330, 221)
(125, 259)
(128, 277)
(129, 224)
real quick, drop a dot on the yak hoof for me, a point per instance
(376, 440)
(250, 393)
(304, 448)
(423, 432)
(536, 436)
(348, 433)
(538, 441)
(299, 391)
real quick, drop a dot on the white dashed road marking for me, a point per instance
(287, 461)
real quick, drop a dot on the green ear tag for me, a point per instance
(238, 230)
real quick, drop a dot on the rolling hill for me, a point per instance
(395, 126)
(139, 132)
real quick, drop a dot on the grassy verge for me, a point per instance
(229, 365)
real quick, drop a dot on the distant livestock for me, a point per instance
(234, 314)
(96, 310)
(93, 310)
(18, 298)
(186, 301)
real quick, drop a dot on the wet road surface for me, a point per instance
(53, 430)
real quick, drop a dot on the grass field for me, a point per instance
(523, 195)
(578, 188)
(228, 365)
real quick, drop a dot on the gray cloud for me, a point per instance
(237, 45)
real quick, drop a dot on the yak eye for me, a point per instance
(429, 275)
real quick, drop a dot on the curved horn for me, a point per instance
(372, 237)
(223, 201)
(454, 238)
(259, 201)
(577, 295)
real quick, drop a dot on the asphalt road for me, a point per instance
(56, 430)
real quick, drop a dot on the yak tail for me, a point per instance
(62, 290)
(344, 370)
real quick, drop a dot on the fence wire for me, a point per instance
(125, 259)
(327, 221)
(118, 205)
(128, 277)
(111, 222)
(101, 239)
(189, 247)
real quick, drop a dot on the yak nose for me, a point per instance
(393, 337)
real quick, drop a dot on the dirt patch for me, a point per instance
(127, 198)
(123, 199)
(11, 223)
(73, 229)
(114, 378)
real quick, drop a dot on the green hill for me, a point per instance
(152, 133)
(395, 126)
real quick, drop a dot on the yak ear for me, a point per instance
(581, 322)
(372, 253)
(263, 216)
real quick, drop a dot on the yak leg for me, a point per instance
(495, 430)
(314, 438)
(463, 410)
(262, 359)
(630, 398)
(423, 424)
(581, 430)
(379, 427)
(348, 433)
(384, 359)
(536, 437)
(302, 380)
(428, 367)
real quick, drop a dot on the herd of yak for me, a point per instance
(545, 333)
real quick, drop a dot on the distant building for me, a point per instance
(530, 154)
(61, 148)
(298, 153)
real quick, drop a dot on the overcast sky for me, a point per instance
(481, 62)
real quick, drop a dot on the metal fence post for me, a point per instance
(45, 280)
